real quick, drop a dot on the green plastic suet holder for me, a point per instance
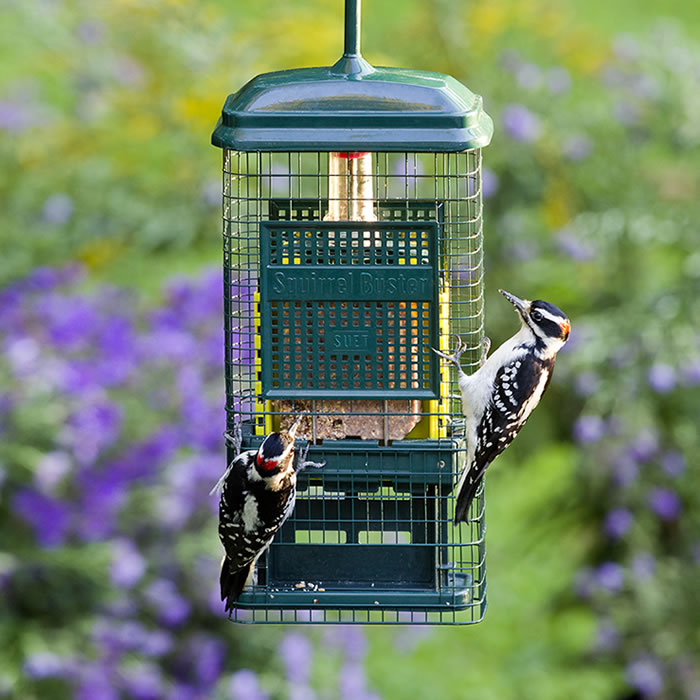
(352, 222)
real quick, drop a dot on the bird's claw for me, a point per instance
(454, 358)
(485, 347)
(303, 463)
(235, 439)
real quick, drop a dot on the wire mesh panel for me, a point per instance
(337, 319)
(348, 307)
(371, 540)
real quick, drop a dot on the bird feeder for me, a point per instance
(352, 224)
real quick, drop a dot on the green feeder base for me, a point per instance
(371, 539)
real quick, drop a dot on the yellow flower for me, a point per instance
(100, 252)
(489, 18)
(557, 205)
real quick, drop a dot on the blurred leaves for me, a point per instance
(111, 397)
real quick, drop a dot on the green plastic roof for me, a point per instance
(353, 106)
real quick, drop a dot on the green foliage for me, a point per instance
(592, 194)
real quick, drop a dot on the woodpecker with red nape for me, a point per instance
(258, 492)
(499, 397)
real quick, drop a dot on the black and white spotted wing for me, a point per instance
(250, 515)
(518, 388)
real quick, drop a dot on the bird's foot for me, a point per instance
(235, 439)
(303, 462)
(485, 347)
(454, 357)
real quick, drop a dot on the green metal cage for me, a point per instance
(346, 260)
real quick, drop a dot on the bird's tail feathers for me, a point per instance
(233, 582)
(465, 495)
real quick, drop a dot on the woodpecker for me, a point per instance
(499, 397)
(258, 491)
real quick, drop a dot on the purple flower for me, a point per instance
(23, 356)
(102, 495)
(90, 32)
(410, 636)
(589, 429)
(577, 147)
(44, 664)
(352, 682)
(610, 576)
(128, 566)
(211, 193)
(50, 471)
(16, 116)
(278, 179)
(510, 60)
(644, 445)
(520, 123)
(156, 643)
(97, 682)
(645, 675)
(644, 566)
(208, 654)
(244, 685)
(528, 76)
(142, 681)
(617, 523)
(116, 637)
(691, 372)
(584, 583)
(674, 463)
(57, 209)
(301, 692)
(627, 113)
(350, 638)
(128, 71)
(70, 321)
(407, 172)
(49, 519)
(296, 653)
(665, 503)
(607, 636)
(173, 609)
(465, 272)
(489, 183)
(576, 248)
(661, 378)
(586, 383)
(625, 470)
(558, 80)
(42, 279)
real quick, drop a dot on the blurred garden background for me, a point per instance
(111, 395)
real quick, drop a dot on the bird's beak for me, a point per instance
(522, 305)
(295, 426)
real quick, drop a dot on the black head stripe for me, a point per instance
(272, 447)
(547, 308)
(550, 323)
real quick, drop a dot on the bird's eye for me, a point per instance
(537, 316)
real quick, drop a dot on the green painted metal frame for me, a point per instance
(330, 577)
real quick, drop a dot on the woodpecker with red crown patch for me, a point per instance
(258, 492)
(499, 397)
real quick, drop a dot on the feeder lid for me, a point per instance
(353, 106)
